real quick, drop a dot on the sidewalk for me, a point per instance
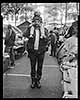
(16, 84)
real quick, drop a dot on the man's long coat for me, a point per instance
(43, 42)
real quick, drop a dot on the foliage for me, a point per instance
(8, 8)
(64, 9)
(22, 18)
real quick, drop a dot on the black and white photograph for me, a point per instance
(40, 50)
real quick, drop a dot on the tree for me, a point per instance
(69, 9)
(66, 12)
(55, 10)
(77, 7)
(26, 9)
(72, 10)
(11, 8)
(15, 8)
(5, 9)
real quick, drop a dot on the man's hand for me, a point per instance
(25, 39)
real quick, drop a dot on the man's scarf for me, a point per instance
(36, 44)
(41, 29)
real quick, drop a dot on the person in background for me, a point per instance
(53, 43)
(57, 35)
(10, 42)
(37, 46)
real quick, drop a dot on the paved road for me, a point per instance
(16, 84)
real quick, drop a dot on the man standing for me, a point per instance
(53, 43)
(36, 47)
(9, 42)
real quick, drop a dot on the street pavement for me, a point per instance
(16, 81)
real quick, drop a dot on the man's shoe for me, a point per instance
(12, 64)
(33, 85)
(50, 55)
(70, 92)
(38, 85)
(25, 52)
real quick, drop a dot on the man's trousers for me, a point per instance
(53, 49)
(36, 71)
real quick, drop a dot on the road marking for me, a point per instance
(46, 66)
(4, 74)
(16, 75)
(18, 63)
(20, 75)
(11, 67)
(49, 66)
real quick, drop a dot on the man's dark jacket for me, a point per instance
(52, 39)
(43, 42)
(10, 39)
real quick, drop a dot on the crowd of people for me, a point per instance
(37, 40)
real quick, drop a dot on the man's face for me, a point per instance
(37, 22)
